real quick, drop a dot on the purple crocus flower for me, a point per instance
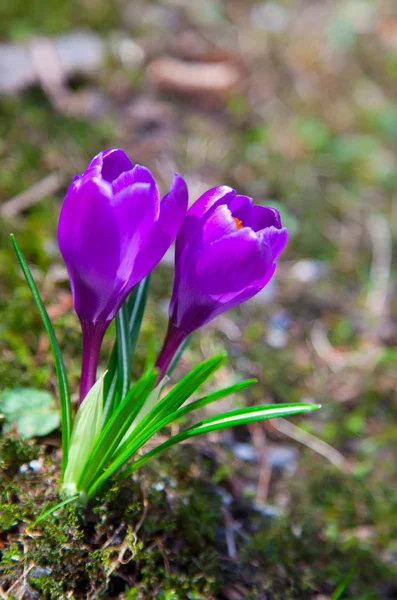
(225, 253)
(113, 230)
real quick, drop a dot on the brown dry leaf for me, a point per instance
(194, 77)
(191, 45)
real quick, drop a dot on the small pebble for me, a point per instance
(280, 456)
(268, 510)
(36, 465)
(38, 572)
(307, 270)
(269, 17)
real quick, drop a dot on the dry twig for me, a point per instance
(312, 442)
(45, 187)
(379, 231)
(265, 469)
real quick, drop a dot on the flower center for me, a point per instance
(239, 223)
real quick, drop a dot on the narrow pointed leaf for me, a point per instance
(170, 417)
(63, 384)
(213, 397)
(149, 424)
(148, 405)
(86, 430)
(172, 401)
(135, 304)
(47, 512)
(115, 429)
(236, 417)
(124, 355)
(178, 355)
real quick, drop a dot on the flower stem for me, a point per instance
(172, 341)
(92, 340)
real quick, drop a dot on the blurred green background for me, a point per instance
(294, 104)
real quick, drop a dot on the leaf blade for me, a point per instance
(33, 412)
(136, 303)
(145, 429)
(86, 430)
(173, 400)
(223, 421)
(115, 429)
(63, 384)
(124, 355)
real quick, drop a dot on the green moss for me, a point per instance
(171, 542)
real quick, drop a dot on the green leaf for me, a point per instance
(171, 402)
(177, 356)
(213, 397)
(135, 304)
(33, 412)
(63, 384)
(148, 405)
(149, 424)
(170, 417)
(115, 429)
(236, 417)
(124, 355)
(86, 430)
(46, 512)
(342, 587)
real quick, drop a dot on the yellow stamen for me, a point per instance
(238, 223)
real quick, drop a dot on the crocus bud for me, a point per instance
(225, 253)
(113, 230)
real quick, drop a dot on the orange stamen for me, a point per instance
(238, 223)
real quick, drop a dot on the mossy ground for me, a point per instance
(312, 128)
(165, 535)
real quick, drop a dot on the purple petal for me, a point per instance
(218, 278)
(114, 162)
(264, 216)
(136, 175)
(231, 264)
(275, 238)
(211, 198)
(135, 209)
(88, 238)
(172, 212)
(219, 224)
(173, 207)
(215, 196)
(242, 208)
